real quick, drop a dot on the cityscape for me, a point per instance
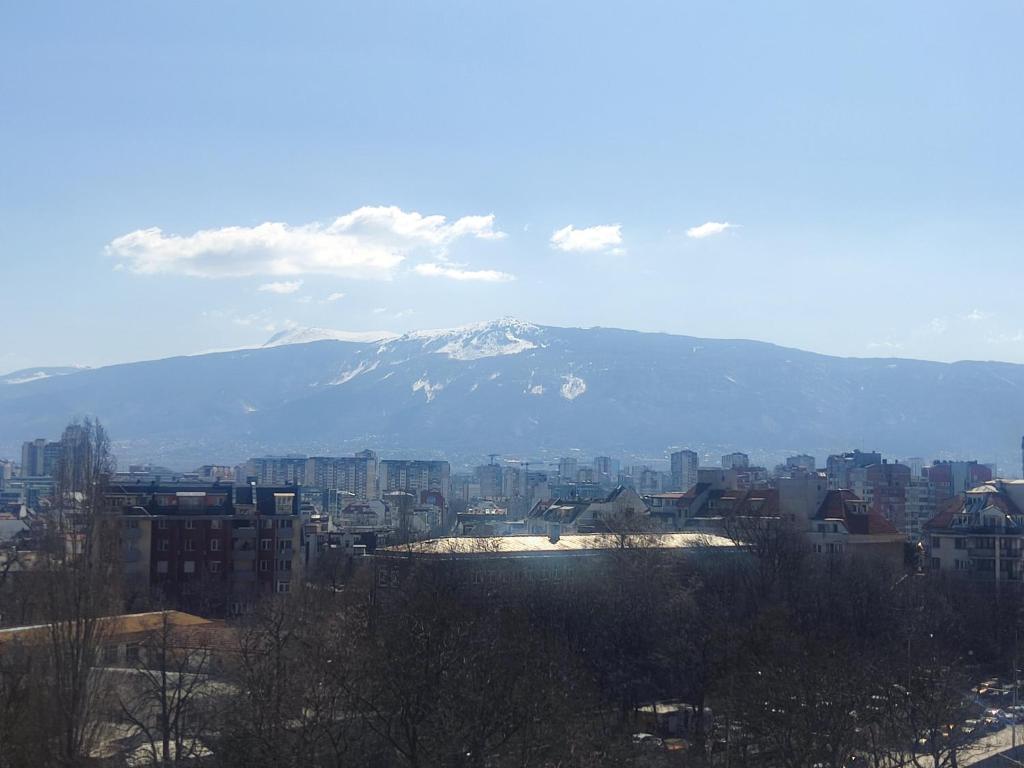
(196, 574)
(451, 384)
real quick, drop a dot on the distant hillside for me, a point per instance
(532, 392)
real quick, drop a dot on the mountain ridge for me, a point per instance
(515, 387)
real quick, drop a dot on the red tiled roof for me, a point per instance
(872, 523)
(945, 516)
(834, 507)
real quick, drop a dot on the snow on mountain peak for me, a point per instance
(306, 335)
(506, 336)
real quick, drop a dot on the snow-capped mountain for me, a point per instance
(473, 342)
(533, 391)
(307, 335)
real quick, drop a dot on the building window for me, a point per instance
(283, 587)
(190, 566)
(161, 524)
(282, 524)
(190, 546)
(161, 566)
(268, 523)
(266, 545)
(215, 545)
(284, 546)
(936, 542)
(935, 563)
(216, 524)
(215, 566)
(190, 524)
(284, 565)
(264, 565)
(163, 545)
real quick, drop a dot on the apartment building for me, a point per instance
(209, 548)
(351, 474)
(684, 469)
(980, 533)
(415, 476)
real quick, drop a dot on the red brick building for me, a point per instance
(210, 549)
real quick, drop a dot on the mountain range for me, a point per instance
(528, 392)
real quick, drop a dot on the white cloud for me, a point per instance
(335, 296)
(977, 314)
(1006, 338)
(370, 243)
(454, 273)
(285, 286)
(709, 228)
(604, 237)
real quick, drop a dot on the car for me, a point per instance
(647, 741)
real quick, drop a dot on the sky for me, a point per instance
(186, 176)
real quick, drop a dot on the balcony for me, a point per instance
(247, 532)
(244, 555)
(986, 553)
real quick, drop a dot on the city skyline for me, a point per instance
(697, 160)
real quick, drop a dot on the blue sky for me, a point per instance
(161, 162)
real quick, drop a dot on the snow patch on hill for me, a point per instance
(573, 387)
(350, 373)
(38, 374)
(430, 390)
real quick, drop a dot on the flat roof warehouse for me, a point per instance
(571, 544)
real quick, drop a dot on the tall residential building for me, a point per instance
(916, 464)
(209, 547)
(6, 471)
(490, 478)
(951, 478)
(921, 505)
(415, 476)
(735, 460)
(606, 470)
(684, 470)
(277, 470)
(802, 461)
(354, 474)
(884, 487)
(32, 457)
(838, 467)
(567, 469)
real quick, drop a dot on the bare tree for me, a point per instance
(166, 698)
(78, 582)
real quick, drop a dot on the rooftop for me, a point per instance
(576, 542)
